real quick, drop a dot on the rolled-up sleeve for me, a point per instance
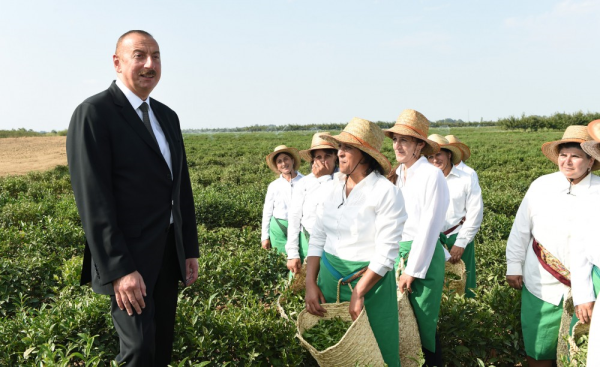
(519, 239)
(474, 216)
(294, 219)
(267, 211)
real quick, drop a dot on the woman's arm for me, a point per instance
(267, 214)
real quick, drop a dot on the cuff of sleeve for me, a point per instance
(293, 254)
(461, 242)
(411, 271)
(379, 269)
(314, 251)
(264, 237)
(581, 300)
(514, 269)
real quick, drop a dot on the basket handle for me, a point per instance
(338, 290)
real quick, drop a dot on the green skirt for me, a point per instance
(426, 296)
(278, 234)
(381, 303)
(468, 257)
(540, 322)
(596, 281)
(303, 241)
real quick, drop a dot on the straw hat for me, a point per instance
(413, 123)
(593, 129)
(445, 144)
(364, 135)
(462, 146)
(293, 152)
(317, 143)
(573, 134)
(592, 148)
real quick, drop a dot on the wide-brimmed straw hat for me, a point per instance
(317, 143)
(573, 134)
(592, 148)
(293, 152)
(413, 123)
(445, 144)
(593, 129)
(364, 135)
(462, 146)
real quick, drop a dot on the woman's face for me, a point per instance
(441, 160)
(407, 148)
(573, 162)
(324, 158)
(350, 157)
(285, 164)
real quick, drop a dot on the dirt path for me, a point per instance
(21, 155)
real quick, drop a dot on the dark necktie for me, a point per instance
(146, 120)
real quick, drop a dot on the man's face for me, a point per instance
(137, 63)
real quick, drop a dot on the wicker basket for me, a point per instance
(298, 282)
(457, 286)
(410, 339)
(565, 324)
(579, 329)
(357, 347)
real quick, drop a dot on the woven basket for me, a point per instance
(563, 333)
(579, 329)
(456, 285)
(410, 339)
(357, 347)
(298, 282)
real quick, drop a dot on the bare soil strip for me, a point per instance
(19, 156)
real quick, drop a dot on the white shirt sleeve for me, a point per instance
(519, 238)
(294, 217)
(390, 217)
(316, 244)
(267, 211)
(581, 272)
(433, 214)
(474, 216)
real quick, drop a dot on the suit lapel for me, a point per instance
(132, 118)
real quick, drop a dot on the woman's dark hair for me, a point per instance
(373, 164)
(330, 151)
(284, 153)
(572, 145)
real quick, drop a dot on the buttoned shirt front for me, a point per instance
(463, 167)
(366, 225)
(427, 197)
(163, 144)
(278, 201)
(549, 214)
(465, 202)
(307, 201)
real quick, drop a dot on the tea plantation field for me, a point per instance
(229, 316)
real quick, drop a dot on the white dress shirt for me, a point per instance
(163, 145)
(278, 201)
(363, 226)
(465, 202)
(307, 201)
(585, 252)
(550, 215)
(463, 167)
(427, 198)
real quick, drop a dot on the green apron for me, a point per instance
(596, 282)
(381, 303)
(303, 241)
(426, 296)
(540, 322)
(468, 257)
(278, 234)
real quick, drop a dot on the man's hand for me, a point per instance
(266, 244)
(405, 282)
(191, 271)
(456, 253)
(515, 281)
(294, 265)
(130, 291)
(584, 312)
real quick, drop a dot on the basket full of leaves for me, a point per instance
(336, 340)
(455, 278)
(410, 338)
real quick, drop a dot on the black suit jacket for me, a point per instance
(125, 192)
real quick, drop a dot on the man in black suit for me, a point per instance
(131, 183)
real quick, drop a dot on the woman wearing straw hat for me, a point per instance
(538, 248)
(427, 198)
(356, 236)
(285, 162)
(585, 259)
(466, 154)
(307, 198)
(465, 212)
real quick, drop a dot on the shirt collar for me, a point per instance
(583, 184)
(454, 171)
(134, 100)
(461, 164)
(410, 171)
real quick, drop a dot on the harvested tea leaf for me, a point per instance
(326, 333)
(452, 276)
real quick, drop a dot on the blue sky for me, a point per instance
(240, 63)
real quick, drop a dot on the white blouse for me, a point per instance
(463, 167)
(363, 226)
(427, 198)
(277, 201)
(465, 202)
(307, 201)
(585, 252)
(550, 215)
